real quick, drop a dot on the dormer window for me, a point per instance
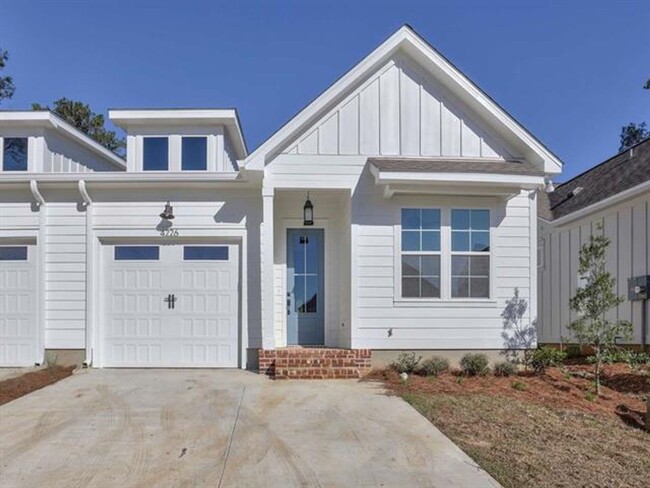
(14, 154)
(194, 154)
(155, 154)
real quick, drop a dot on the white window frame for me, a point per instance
(445, 259)
(419, 253)
(487, 254)
(207, 153)
(169, 153)
(2, 151)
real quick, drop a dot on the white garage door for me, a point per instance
(18, 305)
(171, 306)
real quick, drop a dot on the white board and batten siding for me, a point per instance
(626, 225)
(399, 111)
(61, 155)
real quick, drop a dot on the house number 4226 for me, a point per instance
(169, 233)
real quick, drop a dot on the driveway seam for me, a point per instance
(232, 436)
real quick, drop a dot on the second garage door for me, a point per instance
(171, 306)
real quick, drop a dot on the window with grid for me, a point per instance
(470, 253)
(420, 253)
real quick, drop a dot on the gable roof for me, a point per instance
(625, 171)
(407, 40)
(48, 119)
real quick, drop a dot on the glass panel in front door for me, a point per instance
(306, 269)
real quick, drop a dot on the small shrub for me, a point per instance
(519, 386)
(406, 362)
(504, 369)
(590, 396)
(433, 366)
(545, 357)
(573, 351)
(474, 364)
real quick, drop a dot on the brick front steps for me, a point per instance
(298, 363)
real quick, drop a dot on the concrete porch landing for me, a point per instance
(314, 363)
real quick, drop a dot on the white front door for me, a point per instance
(18, 305)
(171, 306)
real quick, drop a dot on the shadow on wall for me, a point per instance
(517, 333)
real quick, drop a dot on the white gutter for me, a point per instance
(119, 177)
(594, 207)
(33, 186)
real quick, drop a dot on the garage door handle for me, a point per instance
(171, 301)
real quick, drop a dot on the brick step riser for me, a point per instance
(315, 363)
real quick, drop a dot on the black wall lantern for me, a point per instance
(308, 212)
(168, 213)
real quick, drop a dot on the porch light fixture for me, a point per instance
(308, 212)
(168, 213)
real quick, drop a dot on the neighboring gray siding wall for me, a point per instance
(626, 225)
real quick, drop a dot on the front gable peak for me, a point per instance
(405, 99)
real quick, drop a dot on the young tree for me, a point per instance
(593, 300)
(83, 118)
(7, 87)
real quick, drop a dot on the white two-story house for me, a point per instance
(397, 211)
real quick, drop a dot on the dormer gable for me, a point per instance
(181, 140)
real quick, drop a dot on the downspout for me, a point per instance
(87, 202)
(40, 292)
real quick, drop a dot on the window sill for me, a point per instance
(440, 303)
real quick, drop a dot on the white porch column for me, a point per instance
(266, 251)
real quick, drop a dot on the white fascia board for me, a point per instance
(45, 119)
(109, 177)
(126, 118)
(603, 204)
(451, 178)
(411, 42)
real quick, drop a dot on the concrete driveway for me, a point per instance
(227, 428)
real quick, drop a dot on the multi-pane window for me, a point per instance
(194, 154)
(470, 253)
(14, 154)
(155, 154)
(420, 253)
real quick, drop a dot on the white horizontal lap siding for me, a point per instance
(17, 215)
(626, 225)
(65, 277)
(443, 325)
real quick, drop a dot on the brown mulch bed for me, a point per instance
(24, 384)
(553, 433)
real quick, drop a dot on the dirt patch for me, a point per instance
(22, 385)
(550, 432)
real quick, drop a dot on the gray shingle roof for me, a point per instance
(424, 165)
(619, 173)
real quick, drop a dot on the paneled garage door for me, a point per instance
(18, 306)
(171, 306)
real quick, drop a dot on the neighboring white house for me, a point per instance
(615, 195)
(424, 202)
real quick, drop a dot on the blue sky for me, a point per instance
(571, 71)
